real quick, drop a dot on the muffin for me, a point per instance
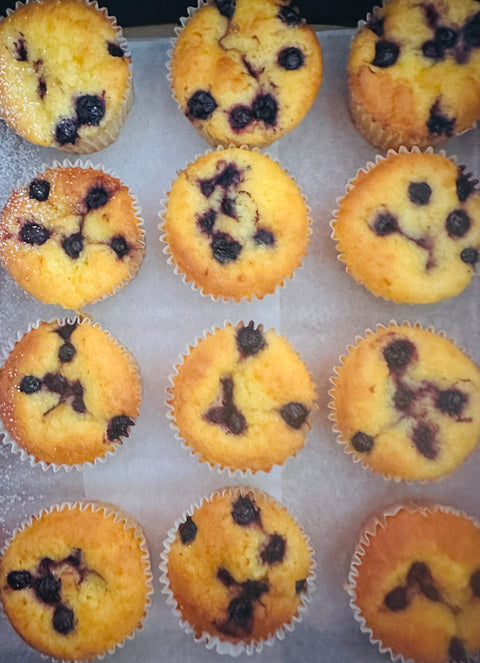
(65, 77)
(71, 236)
(408, 228)
(69, 392)
(75, 580)
(415, 584)
(242, 398)
(238, 568)
(245, 72)
(414, 72)
(406, 403)
(236, 224)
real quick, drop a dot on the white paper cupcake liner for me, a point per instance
(137, 212)
(369, 530)
(332, 416)
(368, 167)
(189, 280)
(218, 467)
(9, 441)
(111, 130)
(212, 641)
(120, 516)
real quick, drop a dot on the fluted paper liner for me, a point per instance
(195, 455)
(370, 527)
(332, 416)
(15, 447)
(189, 279)
(120, 516)
(108, 133)
(212, 641)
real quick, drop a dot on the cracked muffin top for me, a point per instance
(409, 228)
(245, 72)
(414, 72)
(415, 582)
(236, 224)
(71, 236)
(64, 75)
(75, 580)
(69, 392)
(406, 402)
(239, 566)
(243, 398)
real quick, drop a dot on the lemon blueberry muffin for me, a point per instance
(236, 224)
(64, 75)
(69, 392)
(75, 580)
(413, 72)
(242, 398)
(409, 228)
(239, 566)
(415, 584)
(71, 236)
(245, 72)
(406, 402)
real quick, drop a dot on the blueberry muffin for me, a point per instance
(245, 72)
(236, 224)
(69, 392)
(406, 402)
(71, 236)
(242, 398)
(75, 580)
(414, 72)
(415, 584)
(238, 567)
(409, 228)
(64, 75)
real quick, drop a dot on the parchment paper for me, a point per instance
(157, 316)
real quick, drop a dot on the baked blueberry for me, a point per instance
(224, 248)
(66, 352)
(77, 397)
(245, 511)
(41, 87)
(469, 256)
(20, 47)
(264, 108)
(97, 196)
(120, 246)
(207, 221)
(115, 50)
(63, 619)
(119, 426)
(458, 223)
(471, 32)
(66, 131)
(225, 578)
(403, 398)
(432, 15)
(398, 354)
(56, 383)
(385, 224)
(289, 15)
(465, 184)
(207, 187)
(475, 582)
(66, 330)
(187, 530)
(291, 58)
(362, 442)
(226, 7)
(396, 599)
(47, 588)
(275, 549)
(229, 176)
(240, 116)
(73, 245)
(240, 610)
(456, 651)
(375, 24)
(300, 586)
(446, 37)
(39, 190)
(90, 109)
(201, 105)
(19, 579)
(419, 193)
(34, 233)
(386, 53)
(452, 401)
(424, 439)
(432, 49)
(228, 207)
(250, 340)
(294, 414)
(264, 236)
(30, 384)
(438, 123)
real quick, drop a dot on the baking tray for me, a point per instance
(157, 316)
